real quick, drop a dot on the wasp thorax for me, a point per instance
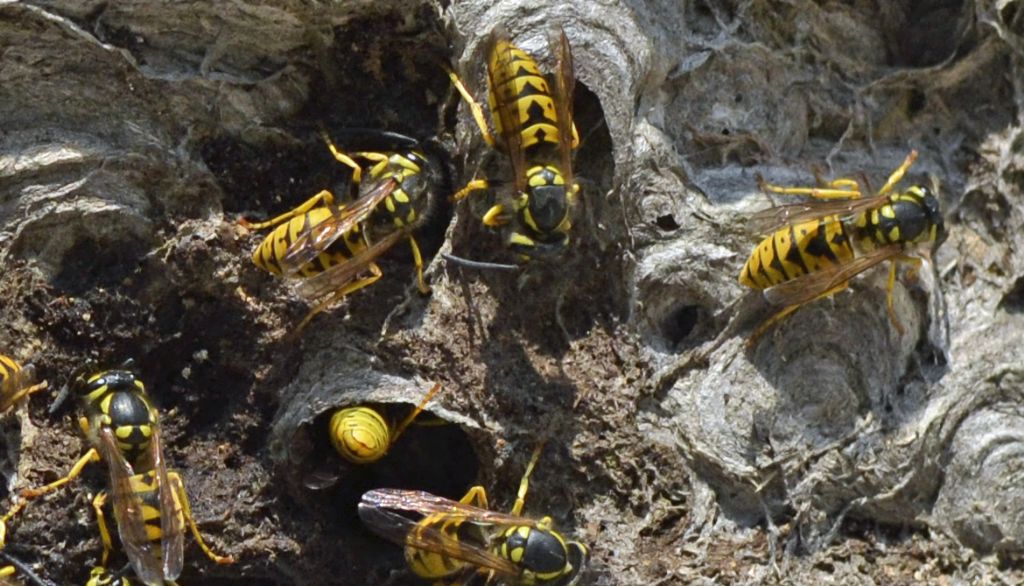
(536, 551)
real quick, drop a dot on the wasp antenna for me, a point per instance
(25, 570)
(475, 264)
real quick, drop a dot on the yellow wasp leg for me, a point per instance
(761, 329)
(186, 511)
(898, 174)
(476, 496)
(6, 571)
(340, 294)
(817, 192)
(309, 204)
(30, 493)
(474, 185)
(575, 137)
(357, 171)
(101, 520)
(26, 391)
(475, 108)
(524, 484)
(418, 259)
(889, 301)
(495, 216)
(379, 160)
(397, 432)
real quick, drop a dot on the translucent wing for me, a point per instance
(771, 219)
(500, 73)
(428, 504)
(128, 512)
(428, 537)
(319, 237)
(339, 275)
(172, 538)
(809, 286)
(565, 84)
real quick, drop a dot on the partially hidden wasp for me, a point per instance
(363, 435)
(534, 124)
(331, 247)
(16, 382)
(813, 249)
(149, 502)
(453, 542)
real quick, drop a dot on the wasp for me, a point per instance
(332, 248)
(813, 249)
(363, 435)
(455, 541)
(16, 382)
(534, 124)
(149, 502)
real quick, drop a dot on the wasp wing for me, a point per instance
(339, 275)
(565, 85)
(428, 537)
(771, 219)
(809, 286)
(427, 504)
(316, 239)
(128, 512)
(172, 527)
(501, 73)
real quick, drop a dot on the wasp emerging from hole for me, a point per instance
(333, 248)
(453, 541)
(363, 435)
(149, 502)
(535, 128)
(813, 249)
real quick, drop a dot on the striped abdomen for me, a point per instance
(437, 566)
(797, 250)
(274, 247)
(517, 81)
(10, 376)
(360, 434)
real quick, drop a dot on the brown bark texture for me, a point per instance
(135, 134)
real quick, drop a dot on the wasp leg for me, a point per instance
(326, 196)
(357, 171)
(6, 571)
(397, 432)
(186, 511)
(30, 493)
(838, 189)
(101, 521)
(418, 260)
(25, 392)
(761, 329)
(477, 109)
(341, 294)
(524, 484)
(889, 301)
(476, 496)
(474, 185)
(898, 174)
(496, 216)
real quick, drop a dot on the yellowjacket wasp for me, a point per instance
(332, 248)
(452, 542)
(535, 128)
(149, 502)
(813, 249)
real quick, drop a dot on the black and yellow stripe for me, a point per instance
(797, 250)
(518, 81)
